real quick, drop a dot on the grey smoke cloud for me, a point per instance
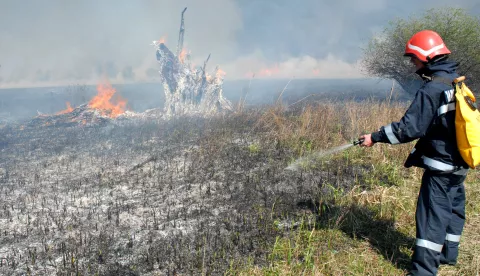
(53, 41)
(322, 28)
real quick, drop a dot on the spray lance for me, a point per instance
(358, 142)
(309, 159)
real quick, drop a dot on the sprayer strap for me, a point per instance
(445, 108)
(447, 81)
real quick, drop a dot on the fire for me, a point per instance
(102, 101)
(208, 77)
(182, 56)
(162, 39)
(65, 111)
(220, 73)
(316, 72)
(268, 72)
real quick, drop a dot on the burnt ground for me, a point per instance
(188, 196)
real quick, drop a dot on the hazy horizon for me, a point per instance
(24, 103)
(54, 42)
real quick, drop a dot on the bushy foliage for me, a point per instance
(460, 31)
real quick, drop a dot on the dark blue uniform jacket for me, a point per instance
(431, 119)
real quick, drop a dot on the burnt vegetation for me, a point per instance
(184, 196)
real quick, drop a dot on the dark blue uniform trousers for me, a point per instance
(440, 217)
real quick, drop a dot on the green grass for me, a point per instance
(369, 229)
(370, 233)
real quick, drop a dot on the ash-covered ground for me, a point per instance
(186, 196)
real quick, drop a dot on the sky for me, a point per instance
(58, 42)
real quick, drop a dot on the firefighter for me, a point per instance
(440, 213)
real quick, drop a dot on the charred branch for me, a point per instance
(181, 34)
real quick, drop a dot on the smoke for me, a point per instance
(258, 66)
(52, 42)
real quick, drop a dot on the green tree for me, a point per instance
(383, 56)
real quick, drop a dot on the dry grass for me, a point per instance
(217, 199)
(369, 230)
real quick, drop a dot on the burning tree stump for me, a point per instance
(189, 90)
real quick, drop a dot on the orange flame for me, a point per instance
(65, 111)
(268, 72)
(182, 56)
(162, 39)
(316, 72)
(102, 101)
(220, 73)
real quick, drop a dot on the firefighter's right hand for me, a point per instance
(367, 140)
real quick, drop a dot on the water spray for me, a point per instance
(311, 158)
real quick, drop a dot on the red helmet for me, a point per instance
(425, 45)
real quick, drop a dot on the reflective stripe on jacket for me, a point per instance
(431, 119)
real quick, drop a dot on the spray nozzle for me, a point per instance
(358, 142)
